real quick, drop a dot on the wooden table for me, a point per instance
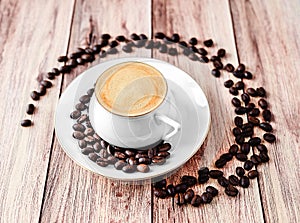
(40, 183)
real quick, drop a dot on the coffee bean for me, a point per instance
(236, 131)
(226, 156)
(264, 157)
(245, 98)
(172, 51)
(78, 135)
(248, 165)
(253, 174)
(96, 49)
(160, 193)
(143, 168)
(208, 43)
(87, 150)
(254, 141)
(97, 148)
(247, 132)
(255, 159)
(261, 92)
(267, 115)
(82, 144)
(218, 64)
(127, 49)
(245, 148)
(93, 156)
(233, 91)
(89, 132)
(26, 123)
(90, 140)
(158, 160)
(75, 114)
(223, 181)
(171, 190)
(50, 75)
(167, 40)
(247, 125)
(55, 71)
(129, 152)
(240, 171)
(188, 180)
(175, 38)
(82, 118)
(231, 191)
(228, 83)
(30, 109)
(214, 58)
(182, 44)
(65, 69)
(262, 148)
(202, 51)
(181, 188)
(189, 195)
(164, 154)
(134, 36)
(253, 120)
(105, 36)
(179, 199)
(84, 99)
(240, 139)
(220, 163)
(164, 147)
(62, 59)
(263, 103)
(111, 159)
(110, 148)
(241, 157)
(233, 149)
(35, 96)
(103, 153)
(160, 184)
(203, 178)
(196, 201)
(238, 74)
(229, 67)
(233, 180)
(203, 59)
(159, 35)
(241, 68)
(250, 106)
(120, 155)
(112, 51)
(239, 85)
(101, 162)
(252, 92)
(80, 106)
(213, 191)
(80, 61)
(215, 174)
(193, 57)
(221, 53)
(150, 44)
(129, 168)
(240, 110)
(206, 197)
(236, 102)
(203, 171)
(163, 48)
(254, 112)
(215, 72)
(41, 90)
(144, 160)
(78, 127)
(248, 75)
(113, 43)
(244, 182)
(266, 126)
(90, 92)
(238, 121)
(193, 41)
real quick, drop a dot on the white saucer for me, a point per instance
(190, 102)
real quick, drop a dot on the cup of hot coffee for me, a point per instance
(130, 106)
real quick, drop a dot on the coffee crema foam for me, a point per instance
(131, 89)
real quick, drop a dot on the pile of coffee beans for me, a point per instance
(103, 153)
(248, 148)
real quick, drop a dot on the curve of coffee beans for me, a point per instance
(104, 154)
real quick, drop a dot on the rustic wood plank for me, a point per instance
(33, 34)
(206, 19)
(267, 37)
(82, 195)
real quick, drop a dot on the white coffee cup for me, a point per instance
(135, 131)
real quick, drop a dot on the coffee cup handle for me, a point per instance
(175, 125)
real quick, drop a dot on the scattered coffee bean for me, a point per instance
(233, 149)
(179, 199)
(75, 114)
(203, 171)
(41, 90)
(238, 74)
(239, 85)
(231, 191)
(221, 52)
(228, 83)
(226, 156)
(129, 152)
(144, 160)
(252, 92)
(175, 38)
(143, 168)
(30, 109)
(182, 44)
(233, 180)
(85, 99)
(55, 71)
(248, 75)
(245, 148)
(167, 40)
(193, 41)
(171, 190)
(215, 174)
(26, 123)
(240, 171)
(50, 75)
(164, 147)
(35, 96)
(254, 141)
(253, 174)
(236, 102)
(229, 67)
(90, 92)
(78, 127)
(102, 162)
(254, 112)
(89, 132)
(120, 155)
(248, 165)
(218, 64)
(214, 58)
(62, 59)
(264, 157)
(253, 120)
(240, 139)
(238, 121)
(160, 184)
(241, 68)
(203, 178)
(255, 159)
(263, 103)
(208, 43)
(223, 181)
(111, 159)
(65, 69)
(193, 57)
(202, 51)
(159, 35)
(97, 147)
(206, 197)
(82, 144)
(134, 36)
(233, 91)
(188, 195)
(267, 115)
(240, 110)
(241, 157)
(82, 118)
(262, 148)
(93, 156)
(213, 191)
(269, 137)
(245, 98)
(196, 201)
(203, 59)
(250, 106)
(215, 72)
(188, 180)
(129, 168)
(266, 126)
(261, 92)
(87, 150)
(90, 140)
(181, 188)
(236, 131)
(244, 182)
(220, 163)
(158, 160)
(160, 193)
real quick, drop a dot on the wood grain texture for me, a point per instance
(82, 195)
(199, 21)
(270, 46)
(30, 41)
